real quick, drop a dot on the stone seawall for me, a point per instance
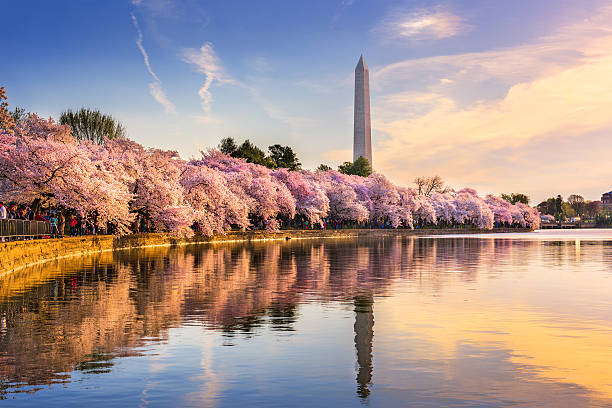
(20, 254)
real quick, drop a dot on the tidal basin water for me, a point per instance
(455, 321)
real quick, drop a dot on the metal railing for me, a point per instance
(22, 229)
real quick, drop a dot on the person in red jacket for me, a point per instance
(73, 224)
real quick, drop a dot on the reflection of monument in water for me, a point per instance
(364, 333)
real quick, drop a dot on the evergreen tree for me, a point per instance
(253, 154)
(228, 145)
(284, 156)
(360, 167)
(92, 125)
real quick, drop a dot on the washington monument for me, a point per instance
(362, 136)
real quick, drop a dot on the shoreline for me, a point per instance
(17, 255)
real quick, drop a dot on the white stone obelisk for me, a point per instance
(362, 136)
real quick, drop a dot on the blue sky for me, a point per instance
(452, 82)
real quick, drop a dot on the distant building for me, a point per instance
(606, 201)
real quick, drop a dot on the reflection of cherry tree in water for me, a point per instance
(105, 306)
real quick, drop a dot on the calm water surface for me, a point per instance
(480, 321)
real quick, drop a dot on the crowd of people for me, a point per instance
(60, 224)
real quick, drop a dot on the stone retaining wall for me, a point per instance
(20, 254)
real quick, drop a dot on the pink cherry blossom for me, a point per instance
(112, 182)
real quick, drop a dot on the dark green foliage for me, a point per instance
(604, 219)
(360, 167)
(323, 167)
(558, 206)
(252, 154)
(516, 198)
(552, 206)
(346, 167)
(92, 125)
(279, 157)
(548, 207)
(592, 208)
(577, 203)
(228, 145)
(284, 157)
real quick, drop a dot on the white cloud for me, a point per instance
(158, 94)
(422, 24)
(141, 48)
(206, 61)
(155, 88)
(541, 130)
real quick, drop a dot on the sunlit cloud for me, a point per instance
(422, 24)
(482, 121)
(206, 61)
(155, 88)
(159, 95)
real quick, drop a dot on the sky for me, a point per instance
(497, 95)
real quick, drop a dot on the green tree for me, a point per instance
(577, 203)
(285, 157)
(253, 154)
(567, 210)
(88, 124)
(323, 167)
(280, 156)
(547, 207)
(228, 145)
(516, 198)
(360, 167)
(558, 207)
(592, 208)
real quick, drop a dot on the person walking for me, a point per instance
(61, 224)
(53, 221)
(73, 224)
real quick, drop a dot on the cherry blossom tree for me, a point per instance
(216, 207)
(502, 209)
(310, 198)
(422, 210)
(385, 199)
(111, 182)
(472, 208)
(43, 163)
(268, 198)
(530, 215)
(445, 208)
(344, 204)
